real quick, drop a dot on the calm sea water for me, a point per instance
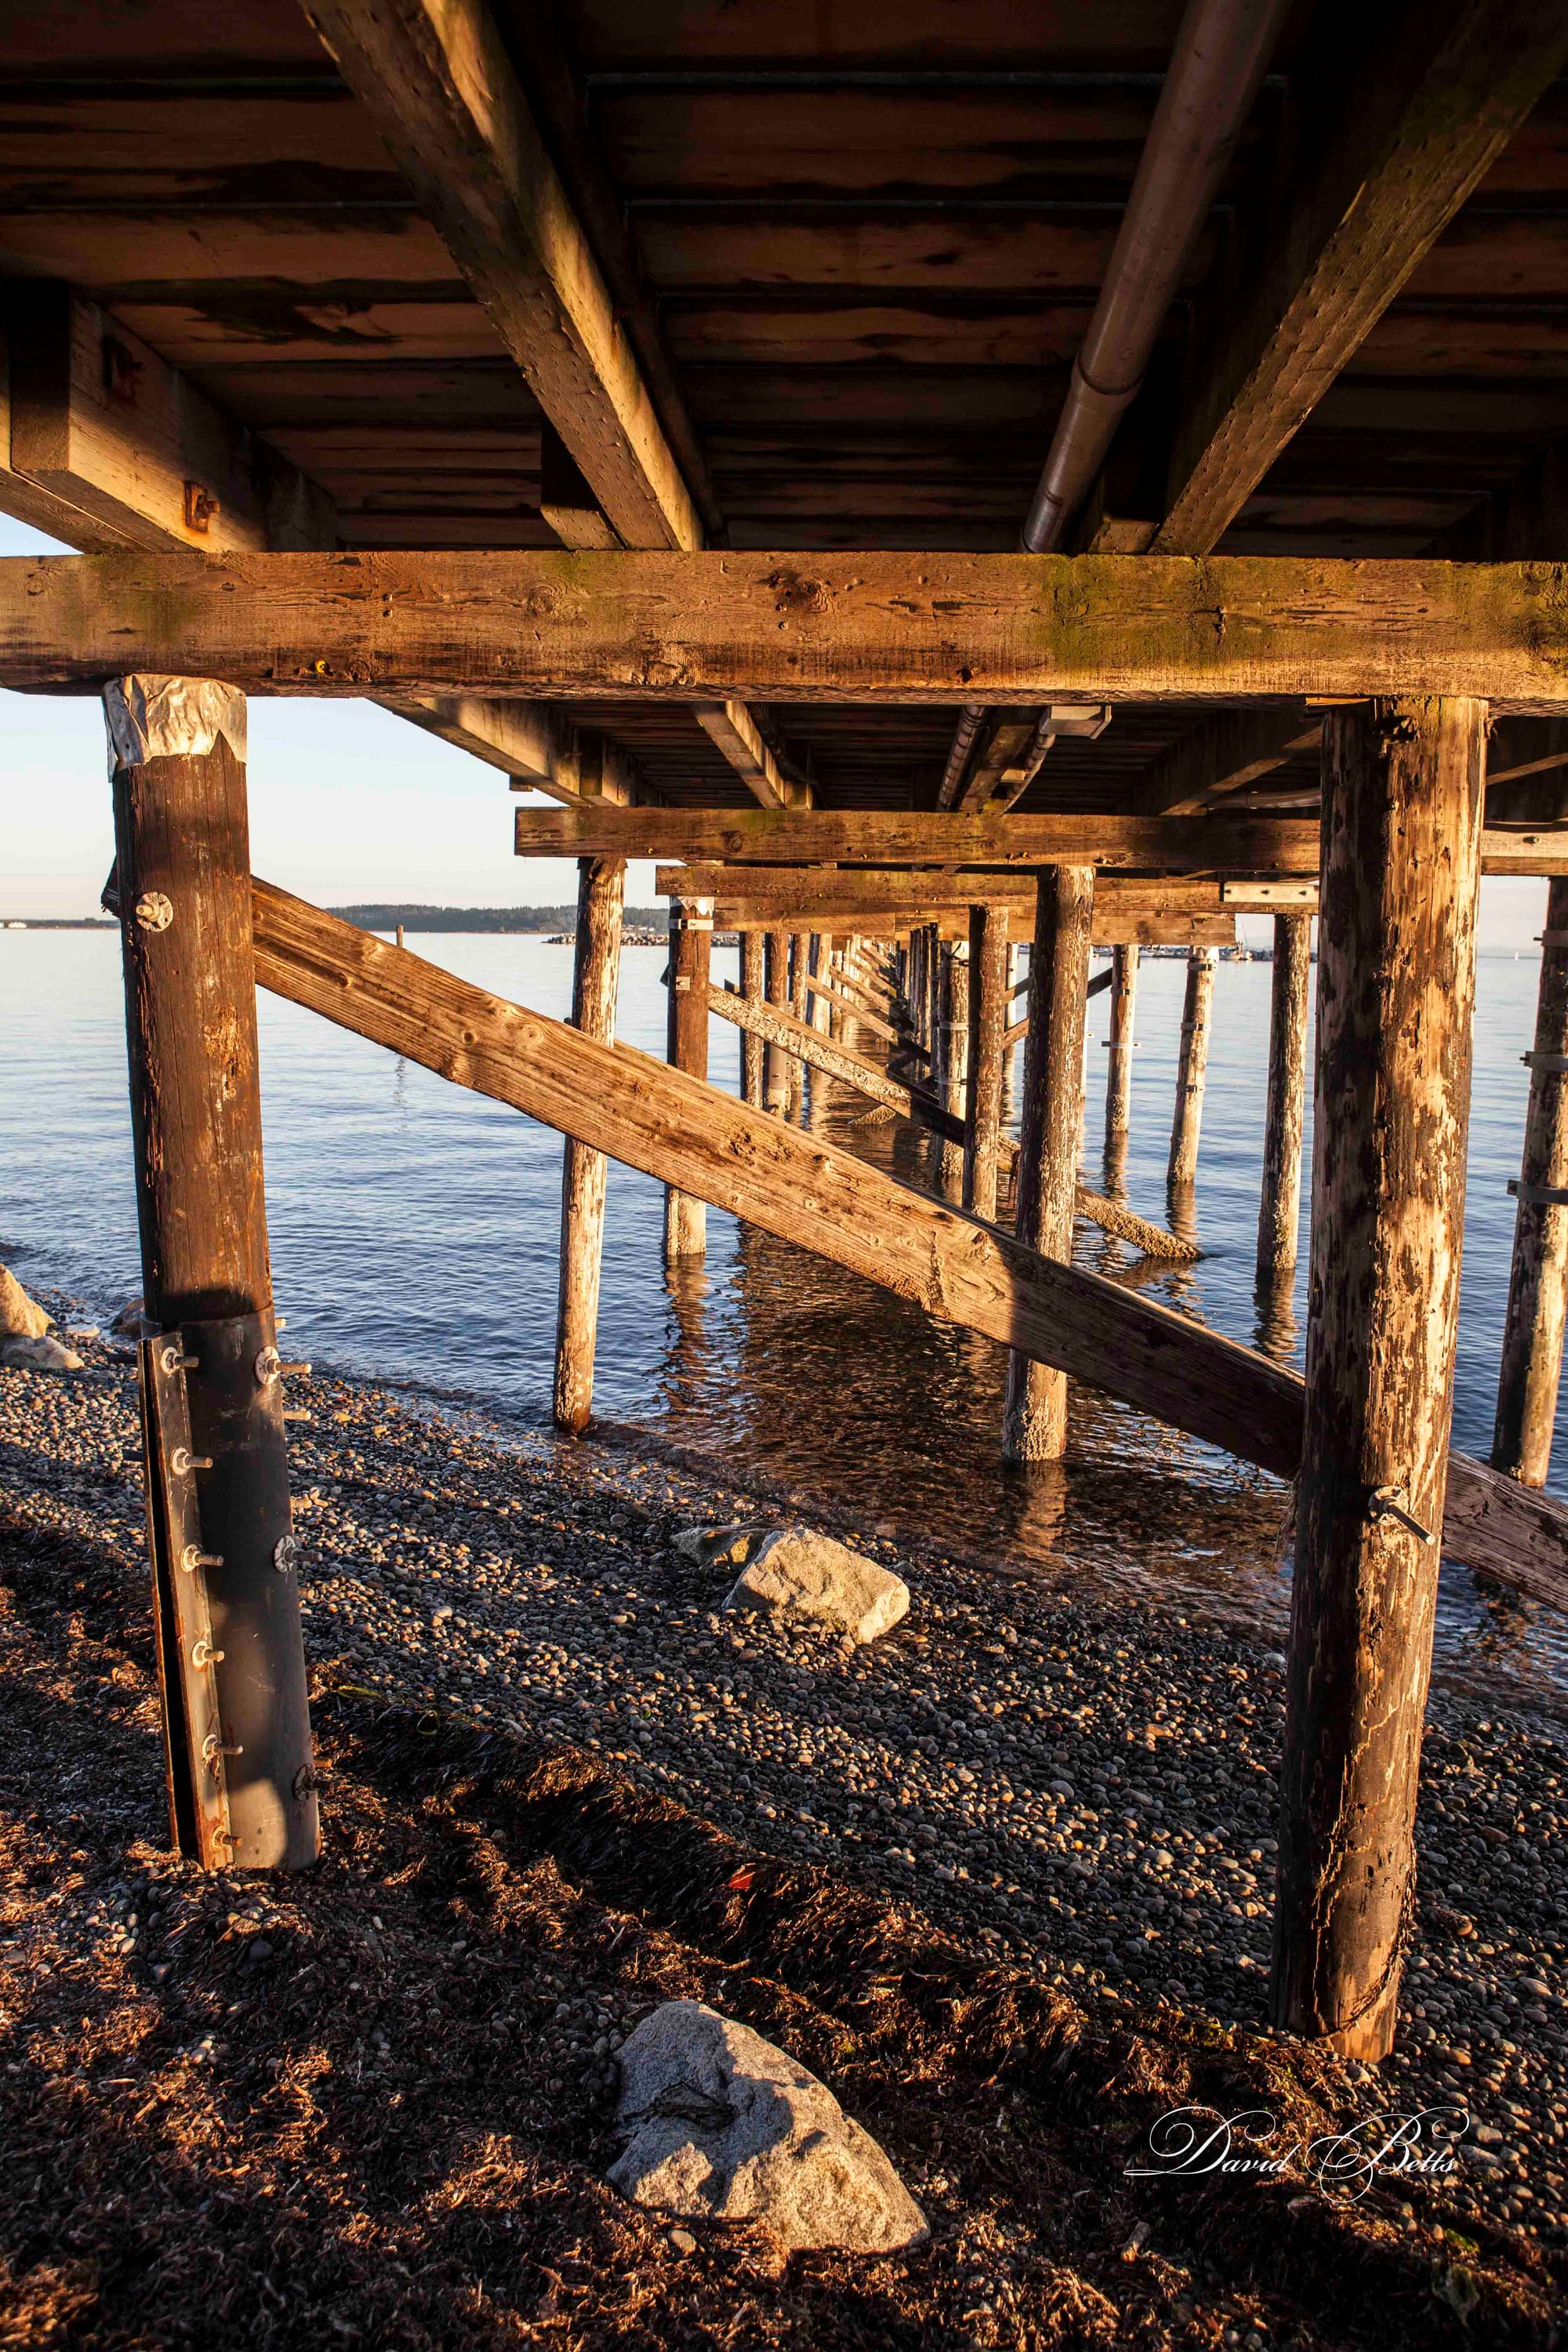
(413, 1238)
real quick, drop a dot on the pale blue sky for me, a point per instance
(347, 804)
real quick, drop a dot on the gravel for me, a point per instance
(1084, 1786)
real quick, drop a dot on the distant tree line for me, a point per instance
(487, 918)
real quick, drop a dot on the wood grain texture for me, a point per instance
(988, 1034)
(691, 958)
(1430, 108)
(1279, 1206)
(1538, 1276)
(1396, 950)
(649, 1116)
(595, 983)
(1191, 1067)
(1121, 1042)
(1035, 1412)
(436, 78)
(182, 834)
(753, 988)
(856, 628)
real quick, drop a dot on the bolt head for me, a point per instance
(154, 911)
(285, 1554)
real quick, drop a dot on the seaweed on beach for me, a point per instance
(373, 2104)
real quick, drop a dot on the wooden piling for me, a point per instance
(795, 1072)
(775, 1068)
(1401, 842)
(988, 1010)
(1537, 1278)
(1191, 1067)
(236, 1717)
(690, 959)
(1034, 1426)
(1280, 1210)
(821, 962)
(753, 990)
(596, 977)
(953, 1083)
(1119, 1076)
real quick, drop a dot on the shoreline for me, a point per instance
(1084, 1790)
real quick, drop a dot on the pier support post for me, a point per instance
(821, 968)
(988, 1010)
(231, 1657)
(595, 980)
(752, 989)
(1538, 1279)
(776, 1061)
(1034, 1419)
(1280, 1210)
(1191, 1067)
(954, 1084)
(1397, 960)
(1119, 1076)
(690, 959)
(794, 1071)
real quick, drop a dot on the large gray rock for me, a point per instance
(44, 1354)
(724, 2127)
(21, 1318)
(800, 1573)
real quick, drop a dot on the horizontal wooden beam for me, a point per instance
(1439, 93)
(731, 728)
(1224, 754)
(1112, 929)
(809, 1192)
(813, 897)
(861, 628)
(1262, 847)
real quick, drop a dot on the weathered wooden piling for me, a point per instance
(1119, 1045)
(987, 1028)
(1191, 1067)
(753, 990)
(1034, 1425)
(955, 1074)
(595, 980)
(1401, 818)
(821, 960)
(775, 1065)
(795, 1094)
(691, 960)
(1280, 1210)
(231, 1654)
(1538, 1277)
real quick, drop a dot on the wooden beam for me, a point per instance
(865, 628)
(1224, 754)
(866, 890)
(1427, 111)
(1115, 928)
(565, 500)
(105, 445)
(437, 80)
(731, 728)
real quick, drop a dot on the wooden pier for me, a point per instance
(649, 458)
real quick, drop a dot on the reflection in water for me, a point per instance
(1113, 1163)
(1277, 1314)
(1182, 1211)
(686, 1369)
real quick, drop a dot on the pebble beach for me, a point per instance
(1084, 1787)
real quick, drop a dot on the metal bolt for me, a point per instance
(214, 1751)
(204, 1654)
(285, 1553)
(193, 1557)
(173, 1360)
(182, 1461)
(1387, 1503)
(154, 911)
(268, 1364)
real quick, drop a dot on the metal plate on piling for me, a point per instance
(194, 1742)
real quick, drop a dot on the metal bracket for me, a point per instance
(1538, 1196)
(193, 1743)
(1556, 1062)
